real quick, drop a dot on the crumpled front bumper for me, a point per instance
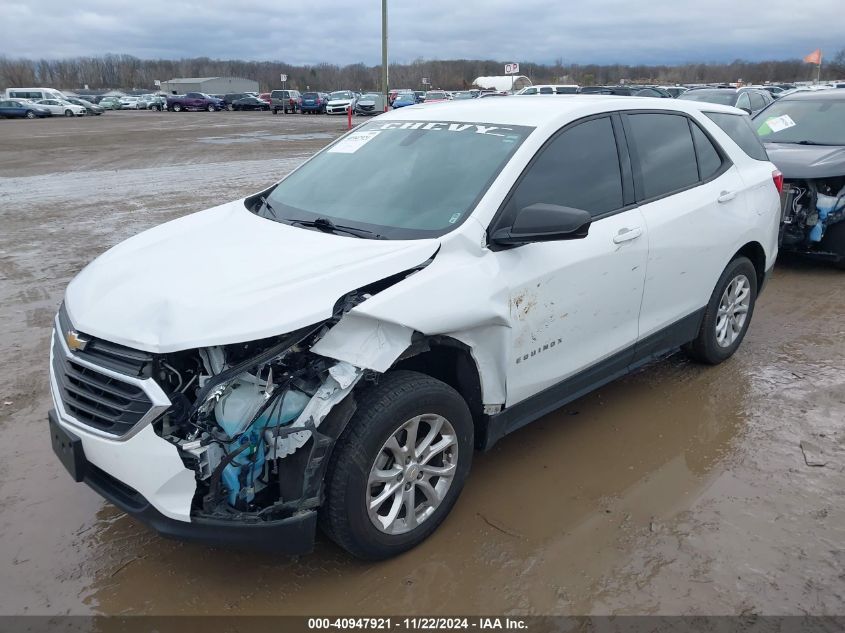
(293, 535)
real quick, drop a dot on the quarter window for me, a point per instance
(709, 160)
(579, 169)
(664, 151)
(738, 127)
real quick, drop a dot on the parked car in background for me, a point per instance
(404, 99)
(416, 313)
(157, 103)
(313, 103)
(675, 91)
(130, 103)
(553, 89)
(484, 95)
(462, 95)
(420, 95)
(90, 108)
(370, 104)
(231, 97)
(22, 109)
(110, 103)
(34, 94)
(265, 97)
(285, 100)
(435, 96)
(340, 101)
(60, 107)
(193, 101)
(249, 103)
(804, 136)
(752, 100)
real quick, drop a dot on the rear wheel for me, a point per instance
(728, 314)
(210, 108)
(68, 112)
(177, 107)
(399, 466)
(30, 114)
(834, 242)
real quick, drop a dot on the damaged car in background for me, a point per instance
(366, 329)
(804, 135)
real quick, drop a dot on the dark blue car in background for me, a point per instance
(404, 99)
(314, 102)
(22, 110)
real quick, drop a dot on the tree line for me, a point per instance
(128, 72)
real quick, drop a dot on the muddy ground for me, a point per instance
(680, 489)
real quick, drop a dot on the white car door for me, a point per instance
(574, 303)
(692, 199)
(52, 105)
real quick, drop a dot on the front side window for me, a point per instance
(738, 127)
(664, 152)
(398, 179)
(579, 168)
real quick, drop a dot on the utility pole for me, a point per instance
(384, 77)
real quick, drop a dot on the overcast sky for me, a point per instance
(348, 31)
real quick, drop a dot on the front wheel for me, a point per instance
(30, 114)
(210, 108)
(68, 113)
(398, 467)
(177, 108)
(728, 314)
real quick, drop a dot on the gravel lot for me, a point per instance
(680, 489)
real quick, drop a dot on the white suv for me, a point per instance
(332, 348)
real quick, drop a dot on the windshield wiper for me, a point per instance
(327, 226)
(808, 143)
(265, 204)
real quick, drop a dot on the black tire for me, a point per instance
(833, 241)
(30, 114)
(177, 107)
(68, 112)
(382, 410)
(705, 348)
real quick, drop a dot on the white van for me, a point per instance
(559, 89)
(35, 94)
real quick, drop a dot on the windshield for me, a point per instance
(820, 121)
(406, 96)
(434, 95)
(398, 179)
(341, 94)
(722, 97)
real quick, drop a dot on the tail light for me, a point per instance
(777, 178)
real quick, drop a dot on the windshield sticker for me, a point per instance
(353, 142)
(776, 124)
(455, 217)
(437, 126)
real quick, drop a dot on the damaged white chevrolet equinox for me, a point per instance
(330, 350)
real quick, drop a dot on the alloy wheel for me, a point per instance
(733, 310)
(412, 473)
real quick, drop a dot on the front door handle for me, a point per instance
(626, 235)
(726, 196)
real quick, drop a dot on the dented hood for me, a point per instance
(226, 276)
(807, 161)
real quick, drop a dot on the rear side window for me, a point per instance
(757, 101)
(664, 152)
(709, 160)
(579, 169)
(738, 127)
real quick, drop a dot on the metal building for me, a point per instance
(209, 85)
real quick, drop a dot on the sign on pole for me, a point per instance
(425, 81)
(511, 69)
(283, 77)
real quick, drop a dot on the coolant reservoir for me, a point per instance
(237, 408)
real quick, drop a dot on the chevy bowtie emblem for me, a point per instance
(74, 341)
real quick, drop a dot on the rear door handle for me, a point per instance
(626, 235)
(726, 196)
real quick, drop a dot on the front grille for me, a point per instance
(94, 398)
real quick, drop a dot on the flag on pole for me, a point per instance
(815, 57)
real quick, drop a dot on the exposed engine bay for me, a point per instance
(239, 411)
(810, 208)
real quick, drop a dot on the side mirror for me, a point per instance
(544, 223)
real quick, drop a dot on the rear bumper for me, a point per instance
(293, 535)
